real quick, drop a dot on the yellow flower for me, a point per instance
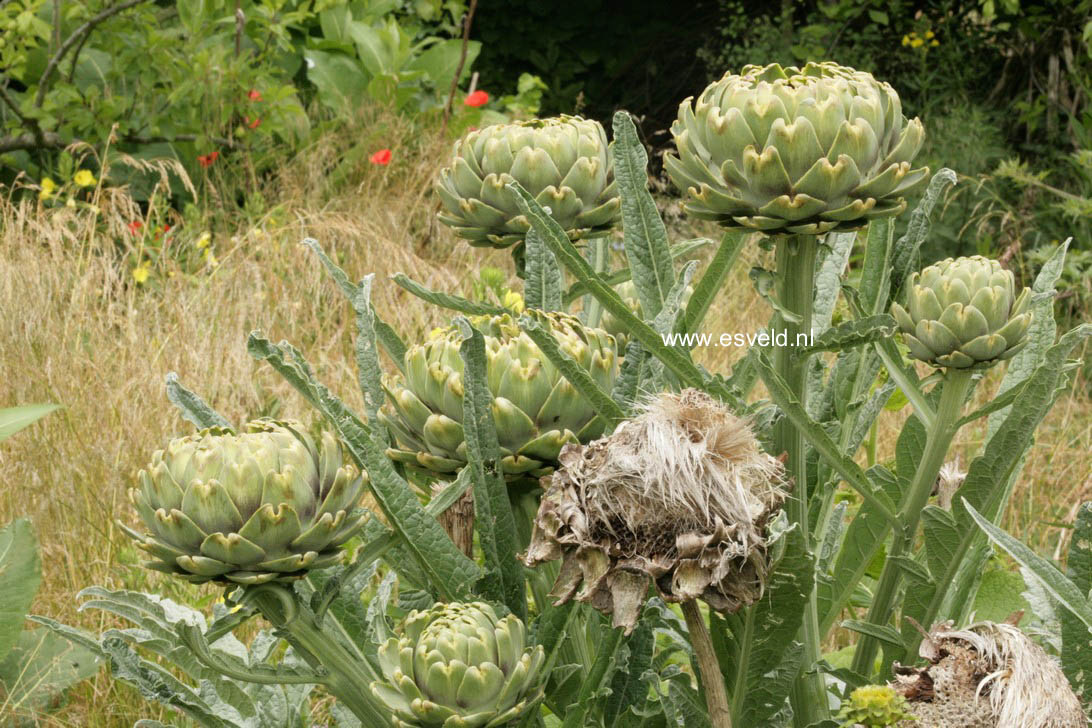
(204, 240)
(70, 202)
(935, 43)
(929, 34)
(210, 258)
(917, 43)
(906, 40)
(84, 178)
(48, 188)
(513, 302)
(435, 333)
(141, 273)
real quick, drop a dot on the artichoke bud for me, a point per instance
(678, 497)
(962, 313)
(266, 504)
(627, 291)
(535, 409)
(459, 664)
(795, 150)
(563, 162)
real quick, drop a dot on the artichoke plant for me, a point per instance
(679, 497)
(795, 150)
(963, 313)
(262, 505)
(563, 162)
(537, 410)
(459, 666)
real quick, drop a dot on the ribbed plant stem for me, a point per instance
(712, 680)
(574, 716)
(796, 293)
(956, 384)
(347, 679)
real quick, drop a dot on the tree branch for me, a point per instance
(74, 39)
(462, 62)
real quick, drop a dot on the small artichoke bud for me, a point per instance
(679, 496)
(267, 504)
(873, 706)
(459, 666)
(795, 150)
(535, 408)
(988, 674)
(563, 162)
(627, 291)
(963, 313)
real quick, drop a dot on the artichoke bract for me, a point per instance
(563, 162)
(795, 150)
(262, 505)
(535, 409)
(964, 313)
(458, 666)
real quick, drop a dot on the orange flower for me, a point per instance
(135, 226)
(254, 95)
(478, 98)
(206, 160)
(382, 157)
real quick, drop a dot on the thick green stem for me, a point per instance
(599, 256)
(957, 382)
(796, 293)
(346, 677)
(574, 716)
(712, 680)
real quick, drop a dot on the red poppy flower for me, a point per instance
(382, 157)
(254, 95)
(252, 124)
(135, 226)
(478, 98)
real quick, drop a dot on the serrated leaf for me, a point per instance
(493, 518)
(905, 253)
(446, 300)
(13, 419)
(1055, 582)
(543, 288)
(828, 279)
(1000, 594)
(857, 332)
(193, 408)
(644, 234)
(1076, 652)
(883, 632)
(20, 575)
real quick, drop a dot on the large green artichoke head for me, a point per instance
(795, 150)
(964, 313)
(459, 666)
(266, 504)
(563, 162)
(535, 409)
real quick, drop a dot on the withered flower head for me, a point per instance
(987, 676)
(680, 495)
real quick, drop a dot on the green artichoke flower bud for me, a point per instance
(563, 162)
(795, 150)
(874, 706)
(535, 409)
(267, 504)
(459, 666)
(964, 313)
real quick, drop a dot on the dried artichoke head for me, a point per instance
(986, 676)
(680, 495)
